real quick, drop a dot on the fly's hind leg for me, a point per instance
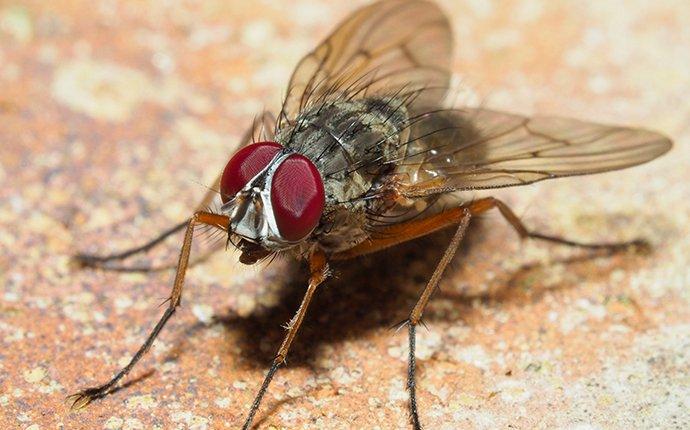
(101, 261)
(485, 204)
(460, 216)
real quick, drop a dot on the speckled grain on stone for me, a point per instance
(115, 115)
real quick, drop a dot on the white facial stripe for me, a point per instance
(266, 193)
(268, 170)
(245, 226)
(250, 184)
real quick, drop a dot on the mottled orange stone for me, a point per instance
(115, 115)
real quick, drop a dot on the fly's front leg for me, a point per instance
(86, 396)
(262, 128)
(485, 204)
(101, 261)
(318, 268)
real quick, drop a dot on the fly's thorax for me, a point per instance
(348, 140)
(352, 142)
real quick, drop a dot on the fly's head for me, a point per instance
(274, 198)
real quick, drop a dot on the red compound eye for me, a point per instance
(244, 165)
(297, 197)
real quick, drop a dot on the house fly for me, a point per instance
(365, 154)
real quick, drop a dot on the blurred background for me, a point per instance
(116, 115)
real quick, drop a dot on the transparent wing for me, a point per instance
(392, 46)
(473, 149)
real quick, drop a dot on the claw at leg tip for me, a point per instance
(642, 246)
(78, 401)
(80, 261)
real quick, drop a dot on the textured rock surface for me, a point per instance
(113, 115)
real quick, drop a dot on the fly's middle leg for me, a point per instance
(416, 314)
(102, 261)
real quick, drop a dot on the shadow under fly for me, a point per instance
(374, 293)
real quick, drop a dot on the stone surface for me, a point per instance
(115, 115)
